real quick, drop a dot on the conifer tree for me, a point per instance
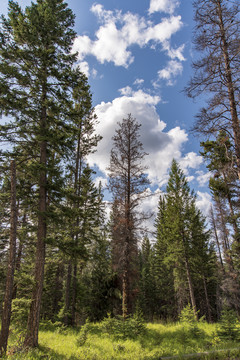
(37, 81)
(183, 241)
(127, 183)
(217, 34)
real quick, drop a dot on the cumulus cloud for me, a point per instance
(190, 160)
(118, 32)
(138, 82)
(167, 6)
(84, 67)
(161, 146)
(203, 202)
(203, 178)
(169, 73)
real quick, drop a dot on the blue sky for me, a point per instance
(137, 56)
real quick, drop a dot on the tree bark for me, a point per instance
(74, 294)
(209, 312)
(6, 315)
(31, 339)
(230, 87)
(67, 294)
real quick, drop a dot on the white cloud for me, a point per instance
(84, 67)
(203, 202)
(203, 178)
(167, 6)
(138, 82)
(161, 146)
(172, 69)
(174, 53)
(190, 160)
(119, 32)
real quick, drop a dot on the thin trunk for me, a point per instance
(57, 289)
(124, 295)
(67, 294)
(74, 294)
(217, 240)
(18, 266)
(230, 86)
(189, 278)
(209, 312)
(191, 291)
(31, 339)
(19, 254)
(6, 315)
(77, 189)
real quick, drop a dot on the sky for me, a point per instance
(137, 55)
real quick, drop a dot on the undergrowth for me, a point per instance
(119, 339)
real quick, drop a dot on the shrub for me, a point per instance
(119, 327)
(83, 334)
(228, 327)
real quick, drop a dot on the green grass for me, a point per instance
(158, 341)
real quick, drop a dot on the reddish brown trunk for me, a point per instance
(6, 315)
(231, 93)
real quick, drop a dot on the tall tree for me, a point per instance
(127, 182)
(182, 236)
(6, 315)
(217, 37)
(37, 80)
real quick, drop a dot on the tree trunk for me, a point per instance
(67, 294)
(231, 92)
(31, 339)
(217, 240)
(124, 295)
(6, 315)
(209, 312)
(74, 294)
(191, 291)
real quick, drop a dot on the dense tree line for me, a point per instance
(61, 260)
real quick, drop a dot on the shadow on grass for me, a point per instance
(40, 353)
(181, 338)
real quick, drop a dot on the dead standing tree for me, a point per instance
(128, 182)
(217, 38)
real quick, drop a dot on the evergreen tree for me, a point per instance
(37, 81)
(183, 242)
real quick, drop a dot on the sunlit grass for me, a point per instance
(158, 341)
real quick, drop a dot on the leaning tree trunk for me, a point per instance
(6, 316)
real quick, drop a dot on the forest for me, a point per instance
(69, 270)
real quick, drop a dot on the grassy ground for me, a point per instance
(158, 341)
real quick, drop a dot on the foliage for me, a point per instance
(124, 328)
(157, 341)
(229, 325)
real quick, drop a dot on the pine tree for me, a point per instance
(182, 245)
(6, 315)
(217, 34)
(37, 82)
(127, 182)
